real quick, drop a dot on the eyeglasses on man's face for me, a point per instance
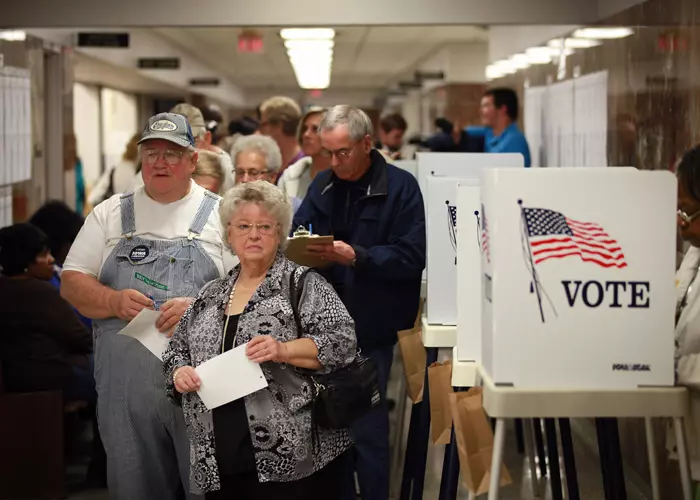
(343, 154)
(252, 174)
(170, 156)
(688, 219)
(264, 228)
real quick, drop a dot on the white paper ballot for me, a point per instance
(143, 328)
(228, 377)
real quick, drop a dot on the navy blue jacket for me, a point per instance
(382, 290)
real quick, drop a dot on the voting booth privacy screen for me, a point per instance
(439, 174)
(578, 277)
(469, 273)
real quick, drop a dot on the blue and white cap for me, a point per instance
(169, 127)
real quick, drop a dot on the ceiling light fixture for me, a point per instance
(13, 36)
(307, 34)
(310, 53)
(603, 33)
(519, 61)
(539, 55)
(574, 43)
(493, 72)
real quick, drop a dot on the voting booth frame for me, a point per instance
(552, 408)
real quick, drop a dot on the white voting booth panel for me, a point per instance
(448, 169)
(469, 272)
(462, 165)
(410, 166)
(442, 250)
(578, 268)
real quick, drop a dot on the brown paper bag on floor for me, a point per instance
(414, 358)
(474, 441)
(440, 383)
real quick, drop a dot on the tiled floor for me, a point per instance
(589, 477)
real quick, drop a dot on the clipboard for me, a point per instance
(296, 250)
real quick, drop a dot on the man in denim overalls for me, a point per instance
(152, 248)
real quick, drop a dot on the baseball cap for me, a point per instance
(194, 116)
(169, 127)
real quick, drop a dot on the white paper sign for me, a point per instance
(229, 376)
(469, 244)
(143, 328)
(579, 286)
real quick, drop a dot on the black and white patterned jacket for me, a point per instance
(279, 415)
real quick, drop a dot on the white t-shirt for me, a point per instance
(154, 221)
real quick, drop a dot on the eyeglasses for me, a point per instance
(688, 219)
(253, 174)
(342, 154)
(266, 229)
(170, 157)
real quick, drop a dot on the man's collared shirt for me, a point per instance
(512, 140)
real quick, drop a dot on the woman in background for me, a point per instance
(209, 172)
(296, 179)
(688, 297)
(118, 178)
(43, 344)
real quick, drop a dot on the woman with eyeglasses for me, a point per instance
(261, 446)
(258, 158)
(297, 178)
(688, 295)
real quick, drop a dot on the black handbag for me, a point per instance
(346, 394)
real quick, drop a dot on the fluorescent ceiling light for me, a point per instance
(307, 34)
(505, 67)
(519, 61)
(309, 44)
(13, 36)
(493, 72)
(310, 53)
(574, 43)
(539, 55)
(603, 33)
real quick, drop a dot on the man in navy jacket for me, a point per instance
(375, 213)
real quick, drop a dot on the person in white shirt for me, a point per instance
(119, 178)
(296, 179)
(153, 248)
(688, 297)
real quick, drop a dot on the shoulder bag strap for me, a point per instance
(295, 292)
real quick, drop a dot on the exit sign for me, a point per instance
(250, 43)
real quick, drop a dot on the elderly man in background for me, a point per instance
(202, 131)
(279, 119)
(375, 213)
(153, 248)
(257, 158)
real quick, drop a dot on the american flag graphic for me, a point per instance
(485, 236)
(554, 236)
(452, 223)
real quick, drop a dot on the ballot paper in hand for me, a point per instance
(229, 376)
(143, 328)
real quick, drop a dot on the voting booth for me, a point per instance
(440, 174)
(578, 277)
(469, 275)
(410, 166)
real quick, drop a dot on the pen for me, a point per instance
(155, 304)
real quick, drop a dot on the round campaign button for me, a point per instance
(138, 253)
